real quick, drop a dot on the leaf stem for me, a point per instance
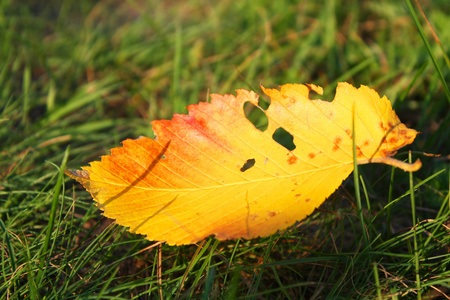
(407, 167)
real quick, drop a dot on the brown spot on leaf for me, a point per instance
(298, 195)
(366, 143)
(359, 153)
(307, 199)
(383, 152)
(292, 160)
(311, 155)
(272, 214)
(393, 140)
(253, 217)
(348, 131)
(336, 141)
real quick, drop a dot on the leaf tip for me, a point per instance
(77, 174)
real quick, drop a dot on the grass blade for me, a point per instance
(416, 248)
(427, 45)
(56, 194)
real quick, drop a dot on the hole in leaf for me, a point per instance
(284, 138)
(264, 101)
(248, 164)
(313, 95)
(256, 116)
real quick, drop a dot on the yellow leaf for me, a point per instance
(211, 172)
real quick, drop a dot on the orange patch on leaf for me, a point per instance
(292, 160)
(348, 131)
(393, 140)
(336, 141)
(359, 153)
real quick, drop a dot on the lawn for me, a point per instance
(79, 77)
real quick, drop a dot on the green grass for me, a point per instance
(78, 77)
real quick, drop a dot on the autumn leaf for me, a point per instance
(212, 172)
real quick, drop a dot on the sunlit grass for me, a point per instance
(77, 78)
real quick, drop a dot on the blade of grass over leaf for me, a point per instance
(357, 188)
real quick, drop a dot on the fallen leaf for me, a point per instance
(212, 172)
